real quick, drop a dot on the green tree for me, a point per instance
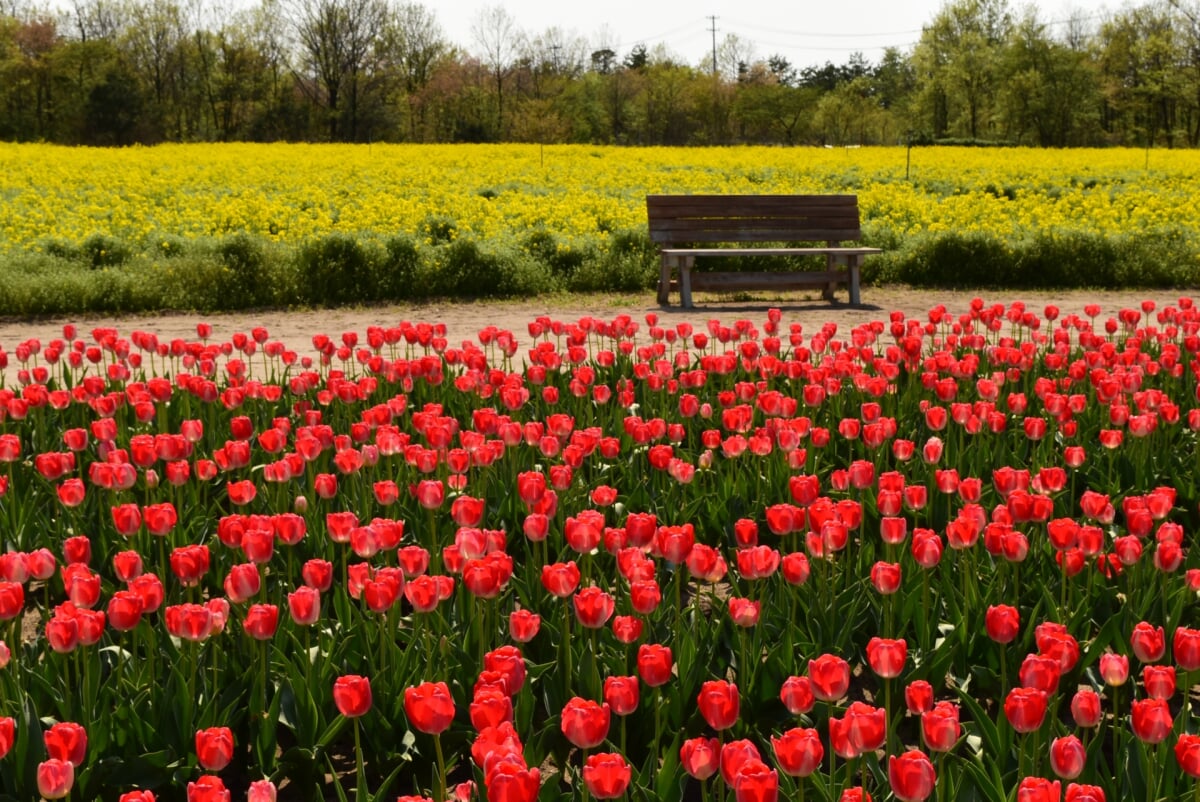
(1050, 95)
(957, 60)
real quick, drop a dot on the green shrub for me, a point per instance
(250, 283)
(464, 269)
(336, 269)
(439, 229)
(397, 273)
(99, 250)
(561, 261)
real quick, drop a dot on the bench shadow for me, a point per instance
(761, 307)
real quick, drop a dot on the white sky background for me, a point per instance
(806, 32)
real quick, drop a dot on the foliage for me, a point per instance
(280, 225)
(215, 546)
(383, 71)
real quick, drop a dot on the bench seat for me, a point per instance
(677, 220)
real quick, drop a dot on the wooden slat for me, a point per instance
(734, 252)
(752, 218)
(720, 282)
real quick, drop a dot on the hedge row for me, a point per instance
(244, 272)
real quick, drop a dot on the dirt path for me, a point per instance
(464, 320)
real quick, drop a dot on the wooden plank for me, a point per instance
(764, 281)
(733, 252)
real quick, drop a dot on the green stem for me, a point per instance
(360, 788)
(439, 794)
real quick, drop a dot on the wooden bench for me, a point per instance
(679, 222)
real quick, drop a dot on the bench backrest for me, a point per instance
(677, 219)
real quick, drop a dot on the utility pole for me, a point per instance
(713, 29)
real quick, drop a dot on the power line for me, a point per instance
(713, 29)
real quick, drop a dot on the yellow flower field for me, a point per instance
(292, 193)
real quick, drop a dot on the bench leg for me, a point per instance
(831, 263)
(664, 281)
(852, 268)
(685, 282)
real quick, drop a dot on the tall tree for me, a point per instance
(499, 41)
(956, 60)
(336, 40)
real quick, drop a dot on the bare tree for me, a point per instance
(411, 45)
(99, 19)
(499, 40)
(336, 43)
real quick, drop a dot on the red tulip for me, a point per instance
(719, 703)
(1003, 623)
(261, 621)
(585, 723)
(918, 697)
(1067, 757)
(509, 780)
(1187, 753)
(66, 741)
(830, 676)
(621, 693)
(1085, 708)
(1038, 789)
(734, 755)
(127, 520)
(1159, 681)
(7, 734)
(352, 695)
(797, 695)
(508, 661)
(593, 607)
(627, 628)
(523, 625)
(644, 596)
(1186, 648)
(1025, 708)
(259, 791)
(430, 493)
(124, 610)
(1151, 720)
(887, 656)
(654, 663)
(885, 577)
(940, 727)
(700, 757)
(214, 748)
(1114, 668)
(12, 600)
(798, 751)
(1040, 672)
(867, 726)
(911, 776)
(242, 582)
(1078, 792)
(55, 777)
(127, 565)
(744, 612)
(1148, 642)
(304, 605)
(208, 788)
(190, 564)
(854, 795)
(148, 796)
(606, 775)
(429, 707)
(756, 782)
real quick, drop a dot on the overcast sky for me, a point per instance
(806, 32)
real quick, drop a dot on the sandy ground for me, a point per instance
(464, 320)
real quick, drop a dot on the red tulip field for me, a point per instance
(944, 557)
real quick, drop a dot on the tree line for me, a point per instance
(120, 72)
